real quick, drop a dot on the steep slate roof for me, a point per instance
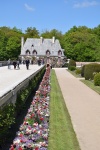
(41, 46)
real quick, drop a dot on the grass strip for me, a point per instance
(74, 74)
(91, 85)
(62, 135)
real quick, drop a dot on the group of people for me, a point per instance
(16, 64)
(40, 62)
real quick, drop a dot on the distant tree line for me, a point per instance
(80, 43)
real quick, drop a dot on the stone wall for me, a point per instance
(11, 96)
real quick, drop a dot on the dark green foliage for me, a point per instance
(78, 71)
(82, 44)
(9, 112)
(97, 79)
(82, 71)
(7, 118)
(71, 63)
(72, 68)
(10, 43)
(90, 69)
(24, 94)
(21, 99)
(31, 32)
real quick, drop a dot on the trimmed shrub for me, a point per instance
(82, 70)
(71, 63)
(97, 79)
(78, 71)
(72, 68)
(90, 69)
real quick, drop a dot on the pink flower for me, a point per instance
(20, 148)
(36, 148)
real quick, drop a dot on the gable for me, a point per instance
(41, 46)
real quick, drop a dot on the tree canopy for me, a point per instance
(80, 43)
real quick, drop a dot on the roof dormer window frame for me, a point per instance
(47, 53)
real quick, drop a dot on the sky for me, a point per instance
(46, 15)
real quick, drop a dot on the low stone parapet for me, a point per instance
(11, 95)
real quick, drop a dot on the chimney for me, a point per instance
(22, 42)
(41, 39)
(53, 39)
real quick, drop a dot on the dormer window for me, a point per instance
(48, 53)
(59, 53)
(34, 52)
(27, 52)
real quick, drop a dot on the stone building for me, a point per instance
(47, 50)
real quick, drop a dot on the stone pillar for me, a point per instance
(22, 42)
(41, 39)
(53, 39)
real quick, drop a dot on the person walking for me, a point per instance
(18, 64)
(27, 64)
(14, 64)
(9, 63)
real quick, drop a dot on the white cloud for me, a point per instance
(85, 4)
(28, 7)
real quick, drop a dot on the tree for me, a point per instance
(53, 33)
(3, 41)
(17, 30)
(31, 32)
(13, 47)
(81, 44)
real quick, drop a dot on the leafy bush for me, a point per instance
(90, 69)
(82, 70)
(97, 79)
(71, 63)
(72, 68)
(7, 118)
(78, 71)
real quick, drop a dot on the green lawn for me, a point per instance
(74, 74)
(92, 86)
(89, 83)
(62, 135)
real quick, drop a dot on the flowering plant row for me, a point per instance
(33, 133)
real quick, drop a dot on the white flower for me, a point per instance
(16, 141)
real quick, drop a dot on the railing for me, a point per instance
(3, 63)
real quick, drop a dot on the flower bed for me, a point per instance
(33, 133)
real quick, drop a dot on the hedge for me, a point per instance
(90, 69)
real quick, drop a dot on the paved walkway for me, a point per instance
(84, 108)
(9, 78)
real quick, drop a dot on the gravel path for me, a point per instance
(84, 108)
